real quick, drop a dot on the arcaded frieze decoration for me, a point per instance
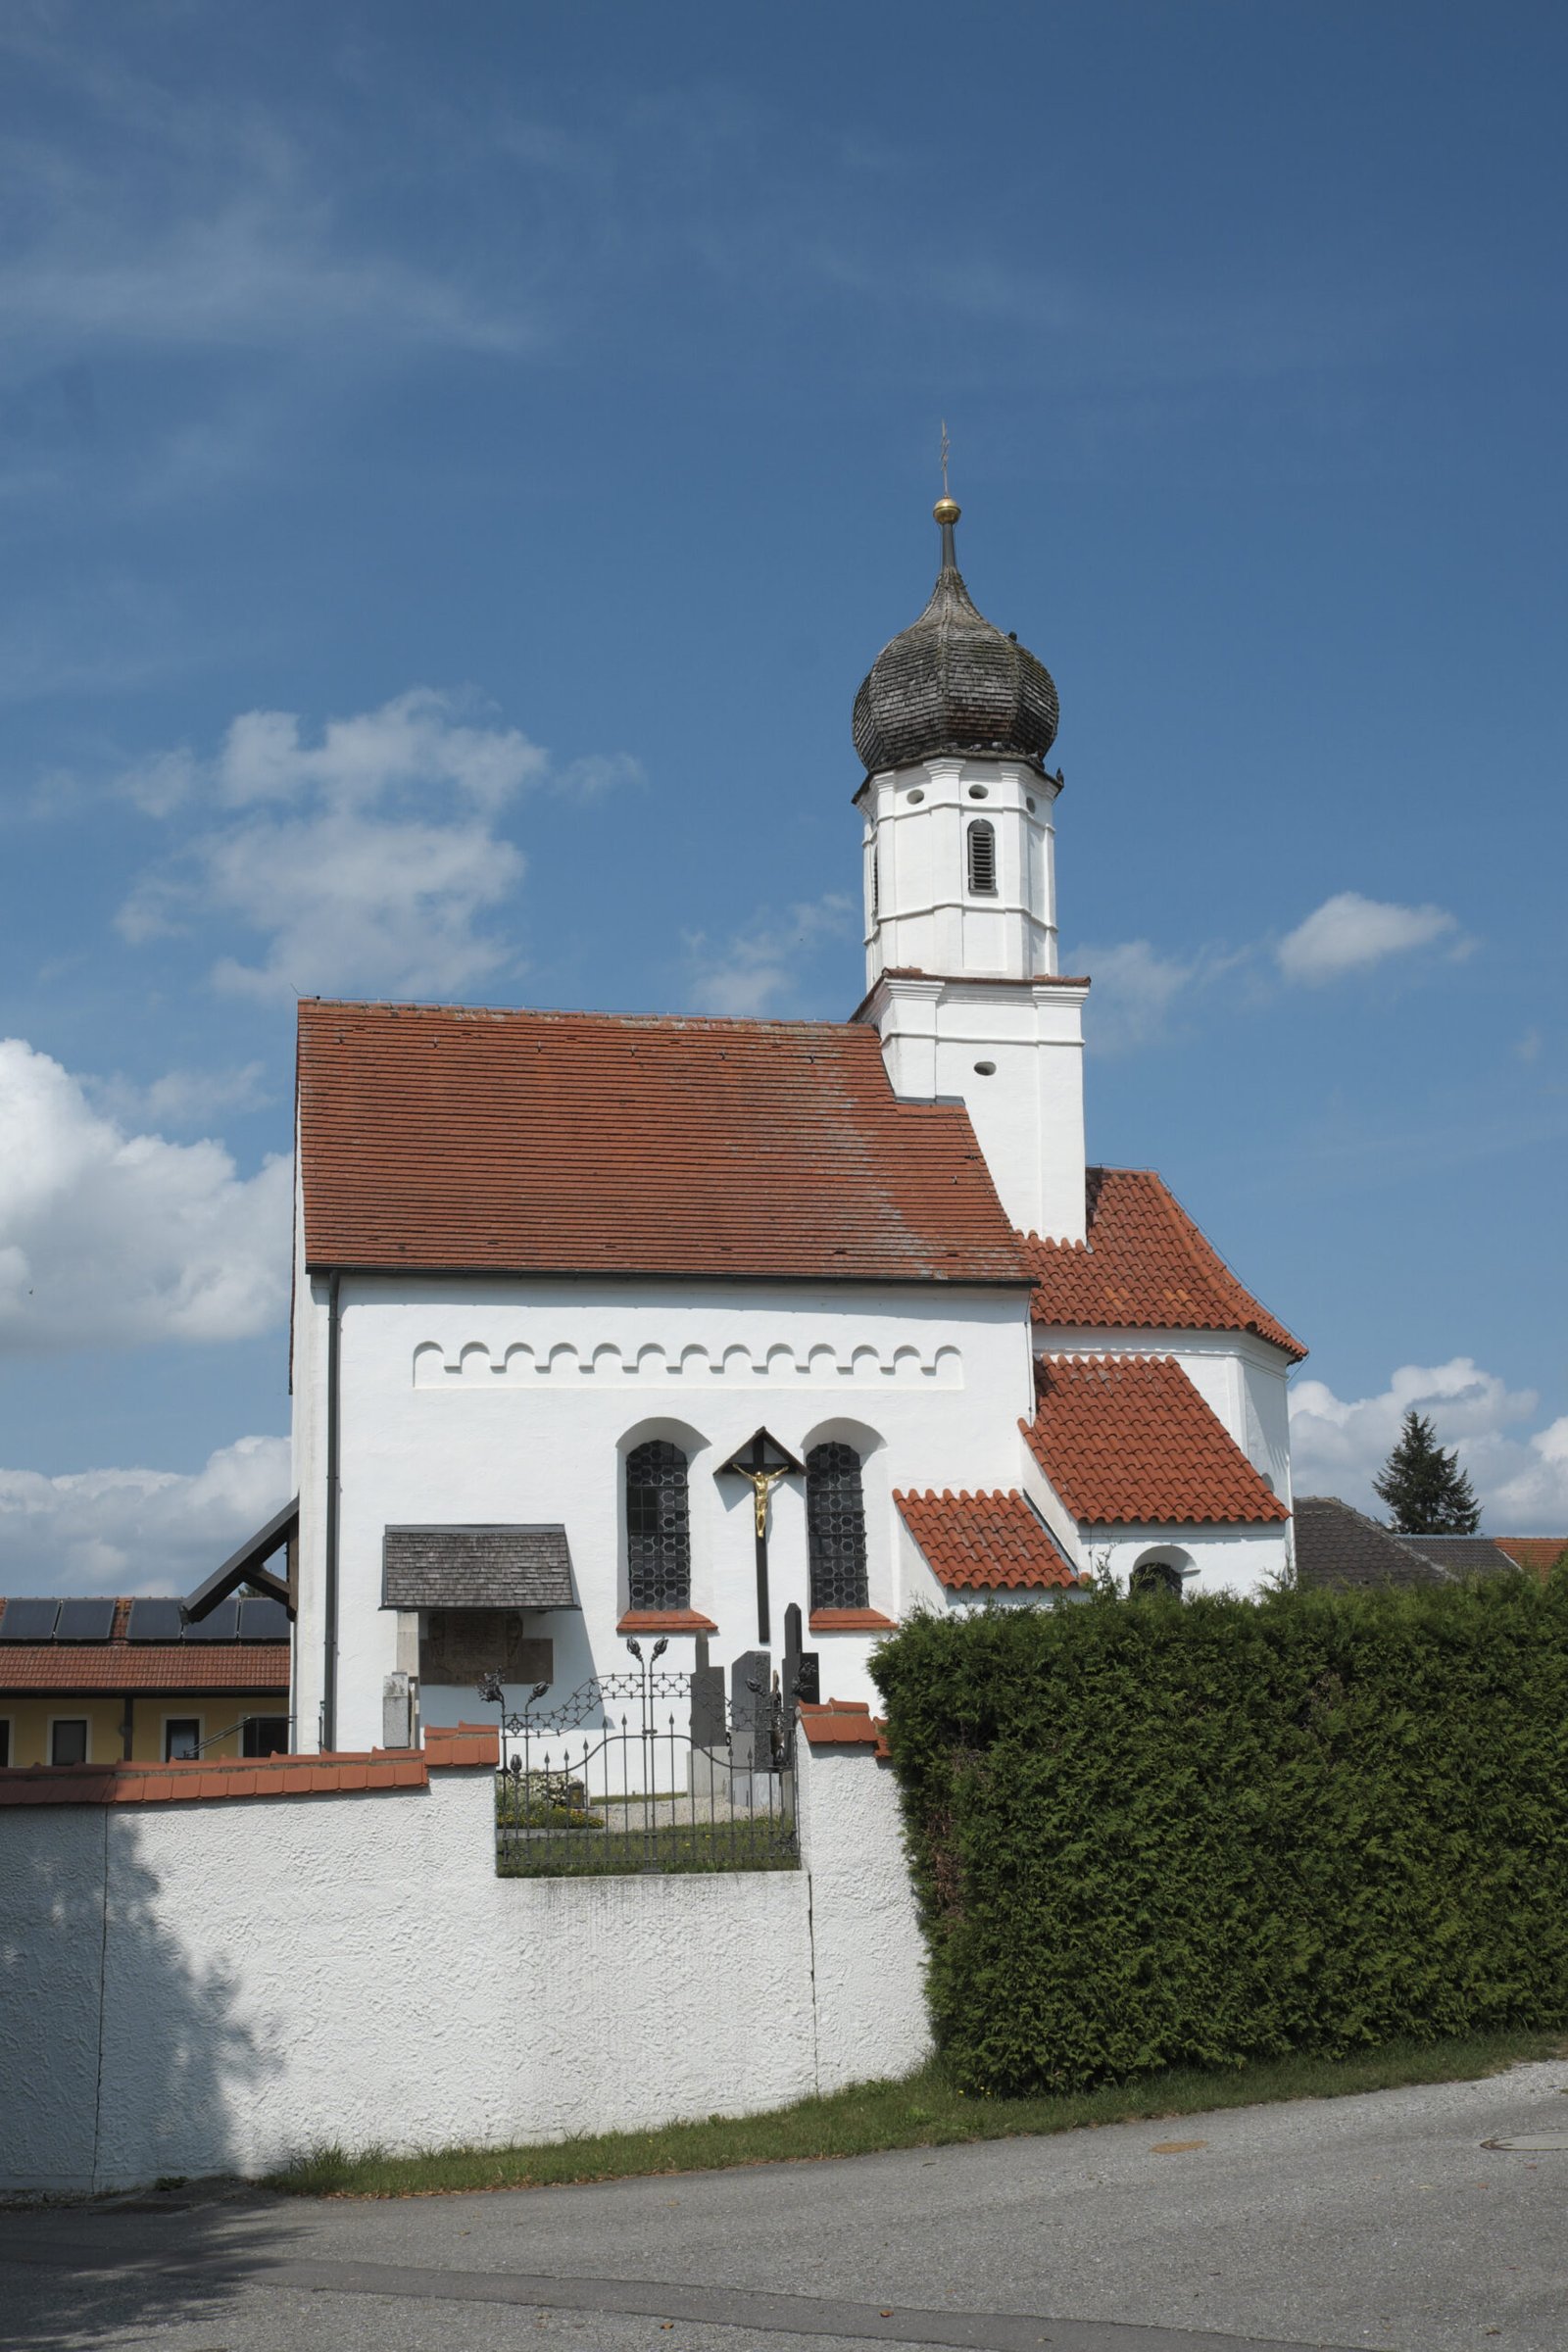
(822, 1364)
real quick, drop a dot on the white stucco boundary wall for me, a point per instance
(200, 1987)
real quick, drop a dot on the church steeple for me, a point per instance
(953, 721)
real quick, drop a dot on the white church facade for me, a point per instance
(619, 1326)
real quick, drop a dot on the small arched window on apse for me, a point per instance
(1155, 1580)
(658, 1537)
(835, 1528)
(982, 839)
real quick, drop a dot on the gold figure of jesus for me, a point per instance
(762, 1484)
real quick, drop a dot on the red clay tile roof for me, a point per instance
(1127, 1441)
(120, 1665)
(573, 1143)
(1539, 1552)
(984, 1543)
(1145, 1267)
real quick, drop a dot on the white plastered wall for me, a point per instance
(475, 1399)
(265, 1976)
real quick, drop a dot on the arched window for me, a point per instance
(983, 857)
(835, 1528)
(1155, 1580)
(658, 1536)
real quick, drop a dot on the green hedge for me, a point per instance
(1149, 1835)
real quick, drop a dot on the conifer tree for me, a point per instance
(1426, 1490)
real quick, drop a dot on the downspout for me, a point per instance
(335, 1325)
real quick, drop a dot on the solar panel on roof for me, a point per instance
(262, 1619)
(86, 1621)
(222, 1625)
(28, 1621)
(156, 1621)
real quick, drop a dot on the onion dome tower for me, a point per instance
(954, 722)
(953, 683)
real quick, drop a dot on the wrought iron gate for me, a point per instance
(651, 1770)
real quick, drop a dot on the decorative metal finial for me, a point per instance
(947, 510)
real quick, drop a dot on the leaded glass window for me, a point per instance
(658, 1537)
(835, 1528)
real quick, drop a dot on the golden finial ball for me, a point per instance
(946, 510)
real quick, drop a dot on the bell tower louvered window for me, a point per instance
(659, 1540)
(835, 1528)
(983, 857)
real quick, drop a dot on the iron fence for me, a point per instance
(651, 1770)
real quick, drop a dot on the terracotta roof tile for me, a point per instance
(1127, 1441)
(984, 1543)
(851, 1621)
(566, 1142)
(120, 1665)
(1145, 1267)
(1539, 1552)
(216, 1779)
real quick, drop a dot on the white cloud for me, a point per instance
(181, 1097)
(137, 1531)
(1348, 932)
(113, 1238)
(1337, 1445)
(1135, 989)
(366, 861)
(749, 974)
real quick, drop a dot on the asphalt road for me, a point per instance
(1380, 2220)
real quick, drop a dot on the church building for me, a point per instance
(623, 1325)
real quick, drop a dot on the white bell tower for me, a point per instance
(954, 722)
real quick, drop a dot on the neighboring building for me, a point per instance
(1338, 1545)
(612, 1325)
(110, 1681)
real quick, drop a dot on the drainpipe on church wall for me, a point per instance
(335, 1326)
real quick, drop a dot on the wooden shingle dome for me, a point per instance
(953, 683)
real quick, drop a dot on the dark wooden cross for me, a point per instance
(762, 1461)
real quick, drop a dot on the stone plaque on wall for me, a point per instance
(462, 1645)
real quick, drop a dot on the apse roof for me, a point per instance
(1145, 1267)
(1127, 1441)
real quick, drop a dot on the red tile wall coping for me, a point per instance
(843, 1723)
(472, 1747)
(567, 1143)
(852, 1621)
(1145, 1266)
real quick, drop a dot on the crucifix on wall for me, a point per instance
(762, 1461)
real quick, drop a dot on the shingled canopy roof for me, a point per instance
(1127, 1441)
(439, 1136)
(1145, 1267)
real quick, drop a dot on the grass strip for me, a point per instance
(920, 2111)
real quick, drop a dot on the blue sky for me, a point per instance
(456, 467)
